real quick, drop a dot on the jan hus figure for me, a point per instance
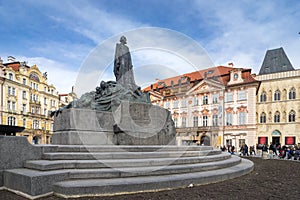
(123, 66)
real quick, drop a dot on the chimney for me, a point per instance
(11, 59)
(230, 64)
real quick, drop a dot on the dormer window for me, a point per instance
(10, 76)
(235, 76)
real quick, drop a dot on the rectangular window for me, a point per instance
(167, 104)
(205, 100)
(242, 95)
(175, 104)
(205, 119)
(215, 98)
(32, 110)
(195, 101)
(195, 120)
(229, 97)
(24, 94)
(24, 108)
(183, 103)
(215, 120)
(9, 90)
(228, 119)
(8, 105)
(183, 122)
(10, 76)
(13, 106)
(242, 118)
(13, 91)
(24, 81)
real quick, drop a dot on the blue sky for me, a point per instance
(59, 35)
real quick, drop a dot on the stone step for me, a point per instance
(125, 155)
(122, 148)
(35, 182)
(102, 187)
(151, 170)
(87, 164)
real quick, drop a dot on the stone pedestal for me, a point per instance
(128, 124)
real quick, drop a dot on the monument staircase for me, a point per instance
(78, 170)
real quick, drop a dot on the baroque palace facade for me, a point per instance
(278, 100)
(215, 106)
(26, 99)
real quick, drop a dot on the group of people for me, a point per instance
(282, 152)
(244, 150)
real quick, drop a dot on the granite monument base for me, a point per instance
(127, 124)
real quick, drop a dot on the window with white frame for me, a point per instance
(35, 124)
(8, 105)
(215, 98)
(242, 95)
(195, 101)
(205, 100)
(167, 104)
(24, 108)
(242, 118)
(24, 81)
(13, 105)
(13, 91)
(10, 76)
(9, 90)
(228, 119)
(205, 120)
(195, 121)
(228, 97)
(175, 104)
(11, 121)
(24, 94)
(183, 103)
(183, 122)
(215, 120)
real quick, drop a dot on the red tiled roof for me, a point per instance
(14, 65)
(196, 75)
(219, 73)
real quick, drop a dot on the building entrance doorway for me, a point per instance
(276, 137)
(275, 140)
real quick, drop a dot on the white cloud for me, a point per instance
(59, 74)
(247, 29)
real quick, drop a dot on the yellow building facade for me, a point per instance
(26, 99)
(278, 108)
(278, 100)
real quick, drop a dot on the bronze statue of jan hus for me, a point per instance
(123, 67)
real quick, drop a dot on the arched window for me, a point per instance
(277, 95)
(292, 116)
(11, 121)
(292, 93)
(277, 117)
(263, 97)
(263, 118)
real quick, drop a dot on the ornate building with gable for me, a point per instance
(215, 106)
(278, 100)
(26, 100)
